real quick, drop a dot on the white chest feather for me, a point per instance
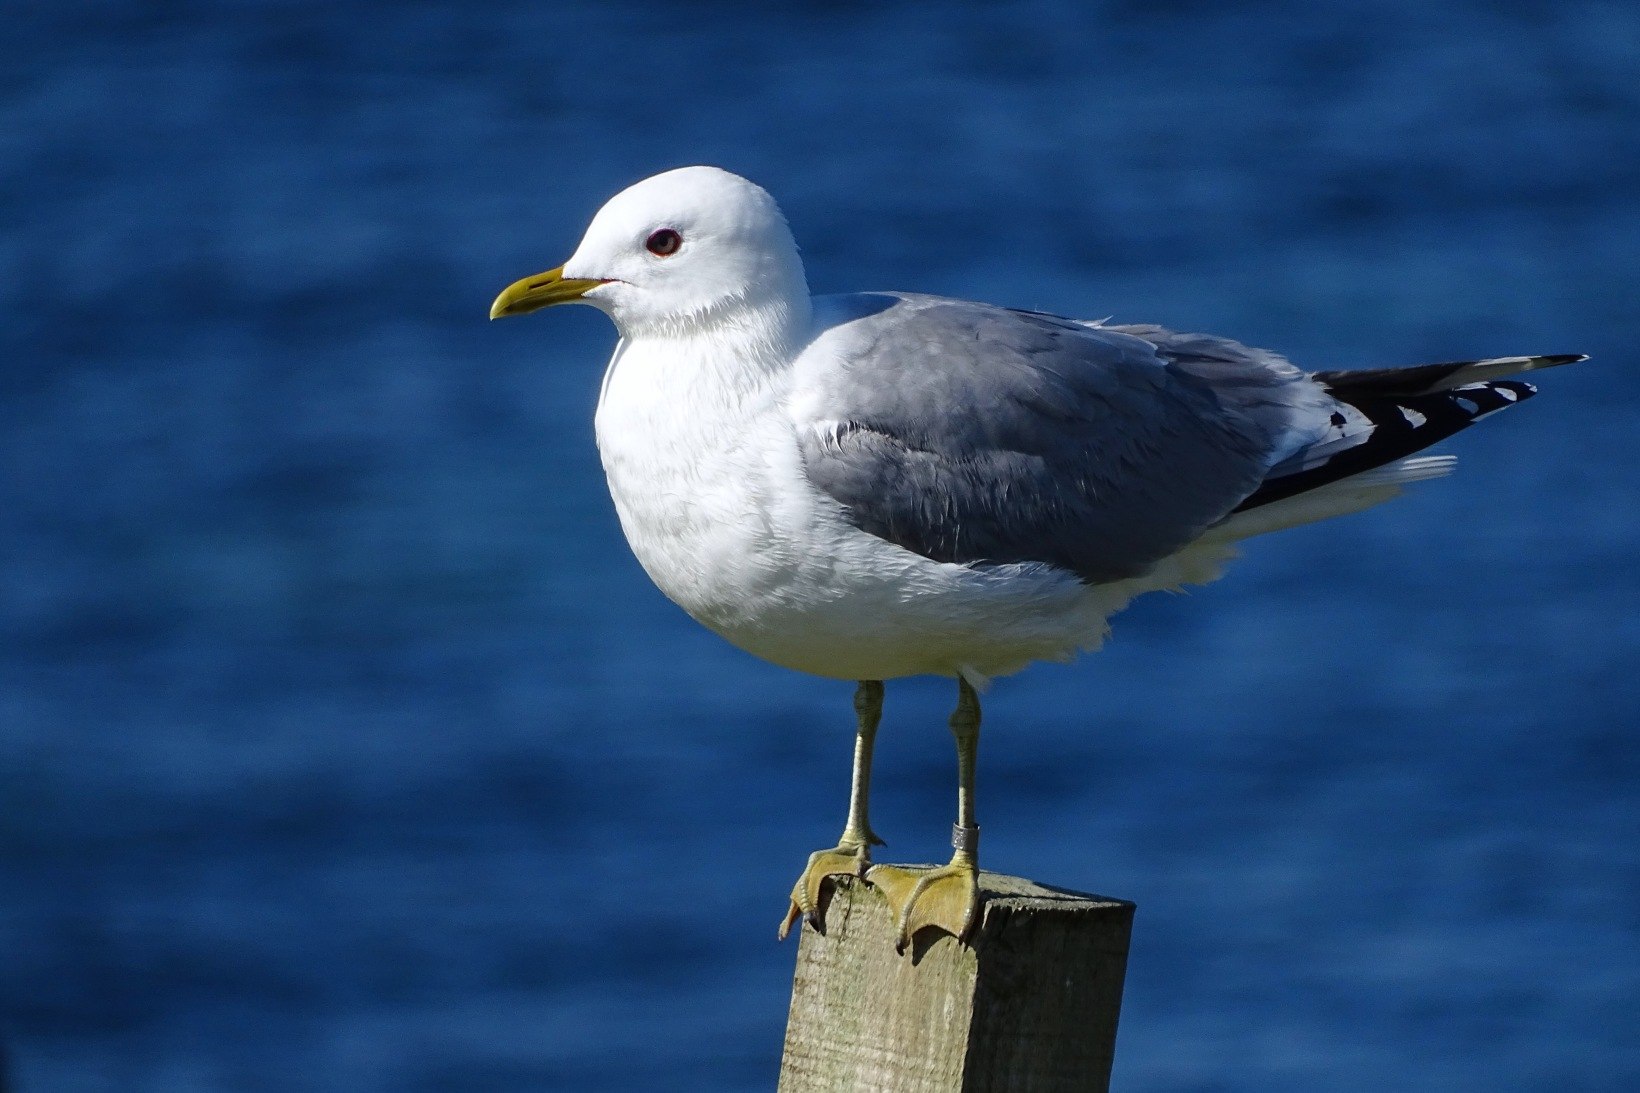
(691, 465)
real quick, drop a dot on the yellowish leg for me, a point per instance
(947, 897)
(852, 854)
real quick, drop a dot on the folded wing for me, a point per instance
(982, 435)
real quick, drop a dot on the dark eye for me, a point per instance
(663, 242)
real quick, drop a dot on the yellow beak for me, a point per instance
(542, 290)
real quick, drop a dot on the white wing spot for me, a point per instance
(1413, 417)
(1505, 393)
(830, 432)
(1469, 406)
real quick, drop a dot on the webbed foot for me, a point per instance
(851, 857)
(946, 897)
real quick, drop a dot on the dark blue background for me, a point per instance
(343, 746)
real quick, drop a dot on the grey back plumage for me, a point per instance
(977, 434)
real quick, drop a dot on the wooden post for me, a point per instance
(1029, 1005)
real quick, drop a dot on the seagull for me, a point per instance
(883, 484)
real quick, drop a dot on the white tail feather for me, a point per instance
(1340, 498)
(1501, 368)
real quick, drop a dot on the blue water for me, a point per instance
(343, 746)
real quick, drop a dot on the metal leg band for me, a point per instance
(965, 838)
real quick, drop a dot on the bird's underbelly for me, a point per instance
(735, 537)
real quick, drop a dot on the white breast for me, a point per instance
(688, 468)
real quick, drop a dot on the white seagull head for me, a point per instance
(687, 250)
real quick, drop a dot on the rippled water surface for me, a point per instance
(343, 746)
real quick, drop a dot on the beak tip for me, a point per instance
(502, 305)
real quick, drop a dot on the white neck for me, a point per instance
(717, 356)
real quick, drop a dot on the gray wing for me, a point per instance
(977, 434)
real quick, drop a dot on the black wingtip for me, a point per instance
(1400, 426)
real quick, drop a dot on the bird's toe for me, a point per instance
(810, 893)
(945, 898)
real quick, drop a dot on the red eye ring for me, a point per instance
(663, 242)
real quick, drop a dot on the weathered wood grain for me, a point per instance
(1029, 1006)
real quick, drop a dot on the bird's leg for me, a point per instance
(852, 854)
(947, 897)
